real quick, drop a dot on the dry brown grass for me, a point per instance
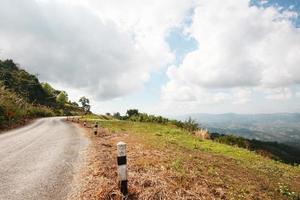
(167, 173)
(149, 172)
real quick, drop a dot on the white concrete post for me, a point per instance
(96, 128)
(84, 124)
(122, 171)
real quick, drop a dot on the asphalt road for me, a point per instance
(39, 161)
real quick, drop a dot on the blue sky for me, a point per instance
(182, 44)
(163, 57)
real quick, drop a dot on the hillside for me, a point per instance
(278, 127)
(23, 97)
(167, 162)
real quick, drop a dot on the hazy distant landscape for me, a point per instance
(280, 127)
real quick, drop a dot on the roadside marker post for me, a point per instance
(122, 168)
(84, 124)
(96, 128)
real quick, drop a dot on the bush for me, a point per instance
(273, 150)
(189, 125)
(134, 115)
(144, 117)
(14, 109)
(40, 111)
(234, 141)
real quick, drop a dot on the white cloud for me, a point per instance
(106, 48)
(263, 2)
(278, 93)
(241, 47)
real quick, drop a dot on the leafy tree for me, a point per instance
(48, 89)
(22, 83)
(117, 115)
(74, 104)
(85, 102)
(132, 112)
(62, 98)
(23, 96)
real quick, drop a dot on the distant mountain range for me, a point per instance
(280, 127)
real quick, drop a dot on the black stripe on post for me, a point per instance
(95, 129)
(124, 187)
(122, 160)
(122, 171)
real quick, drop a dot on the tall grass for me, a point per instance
(14, 109)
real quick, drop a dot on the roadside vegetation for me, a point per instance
(169, 162)
(134, 115)
(15, 110)
(274, 150)
(23, 97)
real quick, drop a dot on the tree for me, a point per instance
(191, 125)
(117, 115)
(132, 112)
(74, 104)
(85, 102)
(48, 89)
(62, 98)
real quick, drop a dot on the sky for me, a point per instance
(169, 57)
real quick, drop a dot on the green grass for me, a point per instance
(163, 135)
(278, 174)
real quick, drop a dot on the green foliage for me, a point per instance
(189, 125)
(22, 83)
(49, 89)
(62, 98)
(144, 117)
(286, 191)
(13, 109)
(85, 102)
(23, 96)
(273, 150)
(117, 115)
(234, 141)
(132, 112)
(134, 115)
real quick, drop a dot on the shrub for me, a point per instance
(40, 111)
(234, 141)
(13, 109)
(134, 115)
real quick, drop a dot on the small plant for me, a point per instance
(286, 191)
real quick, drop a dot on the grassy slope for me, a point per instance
(23, 97)
(225, 171)
(14, 109)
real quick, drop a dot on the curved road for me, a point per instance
(39, 161)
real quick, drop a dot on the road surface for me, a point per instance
(39, 161)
